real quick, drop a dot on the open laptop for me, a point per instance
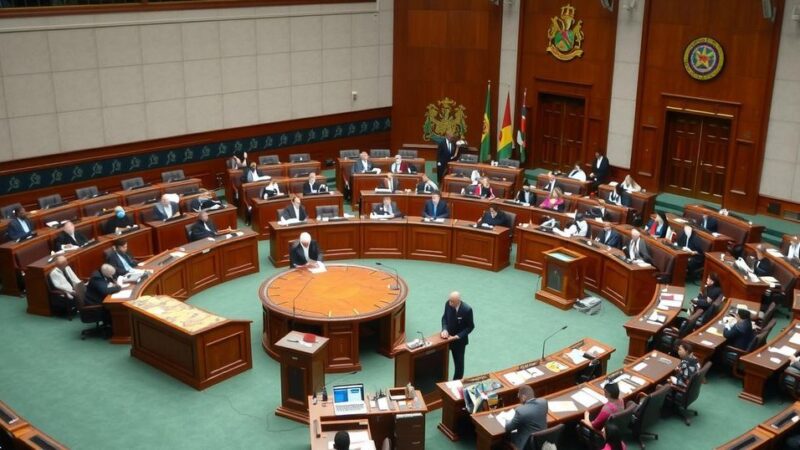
(349, 399)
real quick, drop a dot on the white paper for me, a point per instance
(640, 366)
(513, 378)
(177, 254)
(638, 381)
(775, 360)
(785, 350)
(795, 339)
(504, 417)
(535, 372)
(562, 406)
(319, 269)
(121, 295)
(706, 342)
(671, 303)
(383, 404)
(576, 356)
(584, 398)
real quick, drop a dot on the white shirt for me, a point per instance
(396, 167)
(24, 225)
(305, 251)
(579, 228)
(633, 250)
(64, 280)
(296, 212)
(168, 210)
(578, 174)
(793, 252)
(615, 198)
(599, 160)
(311, 185)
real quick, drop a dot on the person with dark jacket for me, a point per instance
(708, 223)
(101, 284)
(20, 226)
(609, 237)
(305, 253)
(740, 334)
(120, 259)
(69, 237)
(435, 208)
(762, 266)
(710, 292)
(690, 242)
(202, 228)
(529, 417)
(118, 222)
(493, 216)
(457, 322)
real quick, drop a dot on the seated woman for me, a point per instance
(578, 227)
(630, 185)
(554, 201)
(708, 293)
(614, 405)
(484, 189)
(657, 226)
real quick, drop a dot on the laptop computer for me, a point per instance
(349, 399)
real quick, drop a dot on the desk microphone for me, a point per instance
(422, 338)
(548, 338)
(396, 285)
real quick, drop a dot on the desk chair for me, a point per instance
(189, 232)
(327, 211)
(350, 153)
(95, 314)
(380, 153)
(468, 159)
(60, 304)
(299, 157)
(647, 413)
(681, 398)
(131, 183)
(50, 200)
(299, 172)
(7, 212)
(268, 160)
(594, 439)
(407, 153)
(86, 192)
(716, 306)
(538, 439)
(172, 175)
(509, 162)
(671, 336)
(7, 439)
(731, 355)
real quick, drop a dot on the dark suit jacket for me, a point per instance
(614, 239)
(501, 219)
(692, 243)
(358, 166)
(114, 222)
(660, 232)
(444, 156)
(531, 197)
(15, 231)
(601, 173)
(159, 210)
(298, 258)
(421, 188)
(711, 224)
(378, 209)
(763, 267)
(704, 301)
(98, 288)
(644, 253)
(308, 190)
(530, 417)
(288, 213)
(246, 172)
(64, 239)
(198, 231)
(441, 209)
(196, 204)
(268, 192)
(115, 259)
(458, 323)
(740, 335)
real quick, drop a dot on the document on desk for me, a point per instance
(562, 406)
(714, 331)
(534, 371)
(383, 404)
(455, 388)
(584, 398)
(785, 350)
(795, 339)
(122, 295)
(514, 378)
(576, 356)
(504, 417)
(177, 255)
(639, 367)
(671, 303)
(319, 269)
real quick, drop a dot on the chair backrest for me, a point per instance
(509, 162)
(350, 153)
(131, 183)
(693, 390)
(649, 410)
(769, 313)
(269, 159)
(394, 206)
(298, 157)
(173, 175)
(7, 212)
(689, 324)
(86, 192)
(408, 153)
(188, 232)
(622, 419)
(297, 172)
(49, 200)
(327, 211)
(147, 214)
(379, 153)
(468, 158)
(552, 435)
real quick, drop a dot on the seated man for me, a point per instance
(435, 208)
(762, 266)
(389, 183)
(577, 173)
(426, 186)
(313, 186)
(120, 259)
(68, 238)
(165, 209)
(793, 249)
(295, 210)
(363, 165)
(101, 284)
(529, 417)
(253, 173)
(118, 222)
(494, 216)
(63, 279)
(609, 237)
(20, 226)
(305, 253)
(386, 209)
(202, 228)
(740, 334)
(636, 250)
(690, 243)
(202, 202)
(708, 223)
(399, 166)
(551, 182)
(271, 190)
(526, 195)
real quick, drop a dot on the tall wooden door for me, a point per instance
(559, 131)
(696, 156)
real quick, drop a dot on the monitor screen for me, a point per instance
(348, 394)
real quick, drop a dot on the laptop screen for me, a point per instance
(348, 394)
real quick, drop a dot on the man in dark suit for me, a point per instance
(69, 238)
(166, 209)
(529, 417)
(435, 208)
(426, 186)
(688, 241)
(203, 228)
(19, 227)
(202, 202)
(101, 284)
(708, 223)
(120, 259)
(493, 216)
(762, 266)
(252, 173)
(457, 322)
(295, 210)
(363, 165)
(637, 248)
(609, 237)
(526, 195)
(387, 208)
(600, 170)
(305, 253)
(236, 163)
(551, 183)
(390, 182)
(313, 186)
(740, 334)
(446, 151)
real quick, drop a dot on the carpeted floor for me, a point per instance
(92, 395)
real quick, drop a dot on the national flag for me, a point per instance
(505, 144)
(523, 146)
(487, 112)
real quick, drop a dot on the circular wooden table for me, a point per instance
(339, 304)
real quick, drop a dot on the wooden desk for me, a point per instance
(513, 175)
(740, 230)
(334, 304)
(206, 263)
(266, 211)
(191, 344)
(714, 242)
(368, 182)
(100, 204)
(707, 339)
(322, 433)
(339, 239)
(172, 233)
(566, 184)
(796, 304)
(25, 434)
(424, 367)
(733, 283)
(302, 373)
(281, 237)
(782, 423)
(760, 364)
(454, 184)
(641, 329)
(755, 439)
(481, 247)
(428, 240)
(344, 167)
(643, 202)
(383, 238)
(466, 207)
(15, 256)
(381, 423)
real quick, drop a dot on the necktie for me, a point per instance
(389, 210)
(449, 150)
(125, 264)
(608, 235)
(571, 174)
(705, 222)
(24, 225)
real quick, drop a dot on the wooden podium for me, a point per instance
(563, 278)
(423, 367)
(302, 373)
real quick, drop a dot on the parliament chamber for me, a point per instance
(400, 224)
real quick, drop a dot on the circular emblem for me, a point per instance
(703, 58)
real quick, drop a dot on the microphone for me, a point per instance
(422, 338)
(396, 285)
(548, 338)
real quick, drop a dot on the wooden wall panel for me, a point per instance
(443, 48)
(743, 88)
(588, 77)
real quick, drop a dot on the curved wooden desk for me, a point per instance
(335, 304)
(642, 328)
(734, 283)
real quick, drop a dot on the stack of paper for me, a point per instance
(640, 366)
(714, 331)
(177, 254)
(562, 406)
(795, 339)
(534, 371)
(638, 381)
(319, 269)
(504, 417)
(576, 356)
(122, 295)
(513, 378)
(455, 387)
(785, 350)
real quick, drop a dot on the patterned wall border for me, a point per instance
(38, 179)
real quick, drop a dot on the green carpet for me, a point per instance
(91, 394)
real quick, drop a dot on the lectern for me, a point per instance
(423, 367)
(563, 278)
(302, 373)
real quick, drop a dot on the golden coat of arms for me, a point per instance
(565, 35)
(443, 117)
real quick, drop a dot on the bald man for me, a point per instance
(101, 284)
(305, 253)
(457, 324)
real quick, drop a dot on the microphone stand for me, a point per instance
(548, 338)
(396, 285)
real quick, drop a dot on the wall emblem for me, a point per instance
(703, 58)
(565, 35)
(443, 117)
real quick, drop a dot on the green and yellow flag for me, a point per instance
(504, 143)
(487, 113)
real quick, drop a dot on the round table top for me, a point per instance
(343, 292)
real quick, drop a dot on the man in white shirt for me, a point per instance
(793, 251)
(426, 186)
(64, 280)
(578, 173)
(551, 182)
(637, 249)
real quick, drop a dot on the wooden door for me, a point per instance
(559, 131)
(696, 156)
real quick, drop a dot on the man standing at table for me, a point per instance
(444, 154)
(457, 323)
